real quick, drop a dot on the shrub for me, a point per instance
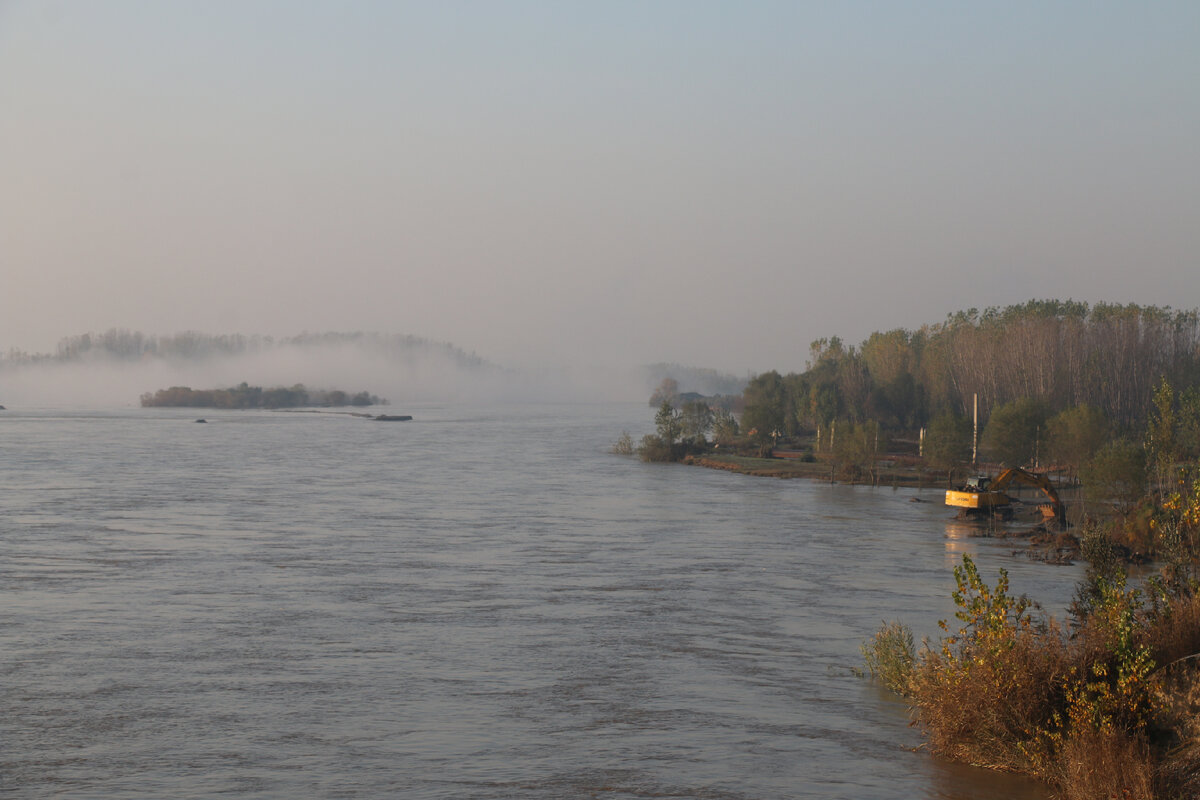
(1091, 712)
(654, 448)
(990, 686)
(624, 445)
(890, 656)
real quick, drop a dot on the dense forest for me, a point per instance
(1058, 384)
(246, 396)
(124, 345)
(1057, 354)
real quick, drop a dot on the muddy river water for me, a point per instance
(480, 603)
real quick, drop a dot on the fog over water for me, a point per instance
(415, 378)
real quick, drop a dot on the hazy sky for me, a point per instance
(614, 182)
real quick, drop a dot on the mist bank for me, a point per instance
(117, 367)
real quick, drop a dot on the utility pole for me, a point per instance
(975, 433)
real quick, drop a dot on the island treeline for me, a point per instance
(246, 396)
(119, 344)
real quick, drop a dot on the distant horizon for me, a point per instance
(626, 183)
(277, 338)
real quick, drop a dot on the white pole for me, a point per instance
(975, 433)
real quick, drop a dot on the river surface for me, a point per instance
(480, 603)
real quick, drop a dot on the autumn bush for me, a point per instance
(1104, 707)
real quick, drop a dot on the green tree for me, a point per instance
(724, 426)
(1012, 434)
(948, 443)
(1074, 436)
(855, 449)
(825, 402)
(668, 423)
(766, 406)
(1160, 433)
(1116, 475)
(1188, 425)
(696, 420)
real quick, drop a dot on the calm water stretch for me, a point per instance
(481, 603)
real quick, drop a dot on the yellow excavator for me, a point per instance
(981, 496)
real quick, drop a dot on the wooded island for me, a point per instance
(246, 396)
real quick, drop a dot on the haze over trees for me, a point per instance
(699, 380)
(117, 344)
(116, 366)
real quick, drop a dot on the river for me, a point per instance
(480, 603)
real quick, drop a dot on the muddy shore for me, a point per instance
(888, 473)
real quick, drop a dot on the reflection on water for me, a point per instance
(958, 782)
(480, 603)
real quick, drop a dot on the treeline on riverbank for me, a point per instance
(1106, 704)
(1060, 354)
(245, 396)
(1025, 365)
(1107, 396)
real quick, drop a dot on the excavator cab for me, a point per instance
(977, 483)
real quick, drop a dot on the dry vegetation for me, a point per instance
(1105, 708)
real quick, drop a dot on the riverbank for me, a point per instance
(886, 473)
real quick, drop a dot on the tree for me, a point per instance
(1160, 433)
(948, 443)
(661, 446)
(856, 448)
(1074, 436)
(1117, 475)
(724, 426)
(696, 420)
(766, 405)
(1012, 434)
(1187, 437)
(668, 423)
(824, 403)
(666, 392)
